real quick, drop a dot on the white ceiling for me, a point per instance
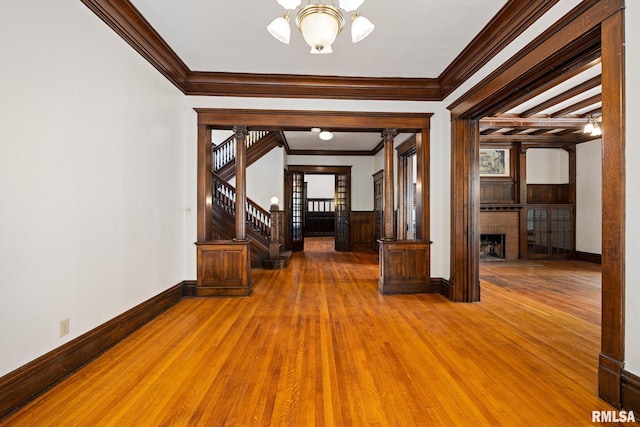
(413, 38)
(359, 141)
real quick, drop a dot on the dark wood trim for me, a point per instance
(589, 257)
(591, 21)
(443, 284)
(631, 392)
(509, 23)
(465, 209)
(205, 185)
(304, 120)
(553, 141)
(331, 170)
(330, 153)
(423, 185)
(25, 383)
(405, 267)
(613, 204)
(533, 122)
(123, 18)
(514, 18)
(302, 86)
(575, 41)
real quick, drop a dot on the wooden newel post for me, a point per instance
(388, 136)
(276, 260)
(274, 241)
(241, 182)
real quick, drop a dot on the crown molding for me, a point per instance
(511, 21)
(121, 16)
(303, 86)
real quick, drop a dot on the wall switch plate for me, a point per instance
(63, 327)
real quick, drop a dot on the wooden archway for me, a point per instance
(592, 29)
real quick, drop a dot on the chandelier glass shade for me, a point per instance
(320, 23)
(592, 127)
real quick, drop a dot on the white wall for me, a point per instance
(547, 166)
(632, 266)
(320, 186)
(261, 186)
(361, 175)
(589, 197)
(91, 177)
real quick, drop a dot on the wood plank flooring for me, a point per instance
(316, 345)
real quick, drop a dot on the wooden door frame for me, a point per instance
(324, 170)
(603, 20)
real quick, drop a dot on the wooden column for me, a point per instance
(388, 136)
(241, 183)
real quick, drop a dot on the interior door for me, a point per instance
(342, 211)
(297, 211)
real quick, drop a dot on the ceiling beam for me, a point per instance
(578, 106)
(533, 122)
(574, 91)
(573, 138)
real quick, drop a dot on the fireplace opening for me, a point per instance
(492, 247)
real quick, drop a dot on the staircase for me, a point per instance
(258, 228)
(259, 143)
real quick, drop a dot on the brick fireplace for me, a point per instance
(505, 223)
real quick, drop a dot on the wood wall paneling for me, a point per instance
(224, 268)
(362, 230)
(496, 191)
(549, 193)
(405, 267)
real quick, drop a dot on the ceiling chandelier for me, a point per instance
(320, 23)
(592, 127)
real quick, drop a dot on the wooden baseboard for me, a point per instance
(446, 288)
(589, 257)
(631, 392)
(25, 383)
(440, 286)
(610, 379)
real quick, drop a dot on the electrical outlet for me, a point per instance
(63, 327)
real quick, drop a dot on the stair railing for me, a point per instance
(224, 195)
(225, 152)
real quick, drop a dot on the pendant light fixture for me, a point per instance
(320, 23)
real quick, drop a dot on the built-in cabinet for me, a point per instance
(550, 232)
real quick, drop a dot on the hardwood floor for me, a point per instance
(316, 344)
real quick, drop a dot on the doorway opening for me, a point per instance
(319, 198)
